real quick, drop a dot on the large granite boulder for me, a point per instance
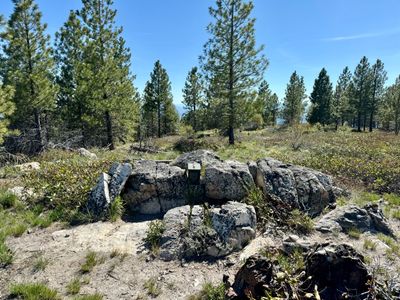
(99, 198)
(108, 187)
(370, 218)
(305, 189)
(198, 231)
(154, 188)
(203, 157)
(229, 180)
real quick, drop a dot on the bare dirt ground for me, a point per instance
(124, 275)
(120, 277)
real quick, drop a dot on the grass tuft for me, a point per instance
(91, 261)
(33, 291)
(152, 287)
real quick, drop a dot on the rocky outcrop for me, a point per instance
(370, 218)
(308, 190)
(154, 188)
(200, 231)
(203, 157)
(228, 180)
(338, 271)
(108, 187)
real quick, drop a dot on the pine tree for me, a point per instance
(70, 59)
(107, 84)
(29, 70)
(340, 100)
(266, 104)
(293, 103)
(391, 105)
(378, 78)
(7, 108)
(159, 110)
(192, 97)
(321, 100)
(360, 91)
(231, 59)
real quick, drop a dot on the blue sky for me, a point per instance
(302, 35)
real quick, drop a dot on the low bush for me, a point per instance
(154, 234)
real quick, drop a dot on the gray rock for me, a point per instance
(86, 153)
(23, 193)
(119, 175)
(293, 243)
(201, 232)
(302, 188)
(203, 157)
(228, 180)
(99, 198)
(154, 188)
(349, 217)
(26, 167)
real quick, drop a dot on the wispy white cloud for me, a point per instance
(367, 35)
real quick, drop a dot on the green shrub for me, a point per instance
(6, 256)
(74, 286)
(154, 234)
(300, 222)
(17, 230)
(63, 185)
(33, 291)
(116, 209)
(7, 199)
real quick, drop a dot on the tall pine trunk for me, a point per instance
(39, 131)
(371, 120)
(110, 136)
(231, 132)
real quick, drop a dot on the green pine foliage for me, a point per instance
(29, 69)
(378, 77)
(340, 109)
(293, 103)
(7, 108)
(321, 100)
(159, 113)
(109, 97)
(192, 97)
(360, 92)
(232, 63)
(266, 104)
(390, 108)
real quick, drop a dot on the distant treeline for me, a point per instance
(80, 91)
